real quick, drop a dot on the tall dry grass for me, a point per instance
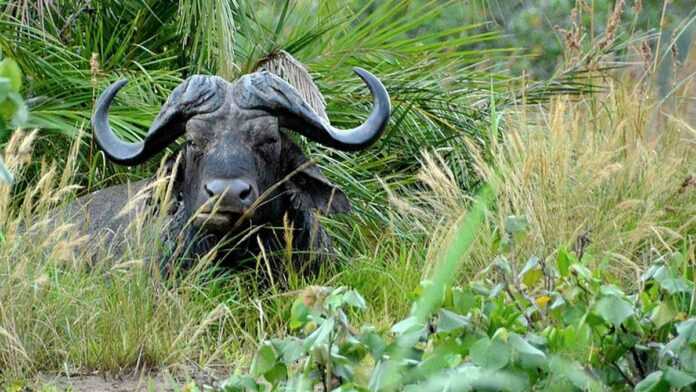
(610, 170)
(62, 310)
(72, 304)
(610, 177)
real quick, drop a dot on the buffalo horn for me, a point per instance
(196, 95)
(265, 91)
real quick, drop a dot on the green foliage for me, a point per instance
(563, 332)
(13, 110)
(435, 75)
(558, 321)
(207, 28)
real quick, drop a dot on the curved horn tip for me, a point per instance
(115, 149)
(363, 73)
(117, 85)
(373, 82)
(108, 95)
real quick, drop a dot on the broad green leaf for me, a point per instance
(299, 382)
(264, 360)
(614, 309)
(10, 70)
(374, 342)
(441, 358)
(239, 384)
(610, 289)
(662, 272)
(21, 113)
(531, 272)
(662, 314)
(480, 288)
(532, 263)
(490, 354)
(496, 290)
(7, 108)
(336, 299)
(290, 349)
(14, 109)
(320, 336)
(472, 378)
(676, 285)
(353, 348)
(345, 388)
(581, 271)
(654, 382)
(532, 277)
(411, 337)
(503, 264)
(384, 376)
(684, 345)
(354, 299)
(575, 373)
(277, 373)
(449, 321)
(558, 301)
(463, 300)
(651, 272)
(677, 378)
(563, 261)
(529, 356)
(687, 330)
(407, 325)
(299, 314)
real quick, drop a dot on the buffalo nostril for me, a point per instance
(245, 193)
(234, 192)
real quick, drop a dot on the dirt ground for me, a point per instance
(126, 382)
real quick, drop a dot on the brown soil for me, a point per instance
(128, 382)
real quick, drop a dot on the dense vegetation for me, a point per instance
(509, 232)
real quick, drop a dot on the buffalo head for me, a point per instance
(237, 160)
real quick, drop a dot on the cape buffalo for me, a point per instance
(238, 166)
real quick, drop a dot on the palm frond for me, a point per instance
(208, 30)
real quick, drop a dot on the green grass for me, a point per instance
(120, 314)
(610, 168)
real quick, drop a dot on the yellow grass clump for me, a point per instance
(61, 310)
(610, 177)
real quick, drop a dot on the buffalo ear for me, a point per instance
(309, 189)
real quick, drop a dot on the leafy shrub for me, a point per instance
(13, 111)
(552, 325)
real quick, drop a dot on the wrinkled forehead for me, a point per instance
(232, 123)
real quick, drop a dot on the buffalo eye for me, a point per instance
(194, 145)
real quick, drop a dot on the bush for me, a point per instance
(554, 325)
(13, 111)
